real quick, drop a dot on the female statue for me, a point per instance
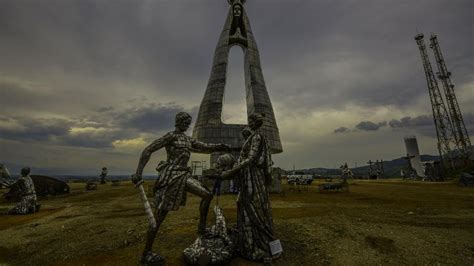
(28, 203)
(254, 216)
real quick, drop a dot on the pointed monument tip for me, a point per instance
(233, 1)
(419, 36)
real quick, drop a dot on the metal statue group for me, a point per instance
(254, 231)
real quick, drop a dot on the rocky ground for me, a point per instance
(377, 222)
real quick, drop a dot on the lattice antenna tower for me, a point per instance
(440, 115)
(459, 128)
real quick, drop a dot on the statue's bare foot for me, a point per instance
(152, 259)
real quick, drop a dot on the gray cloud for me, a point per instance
(150, 118)
(138, 116)
(341, 130)
(422, 120)
(422, 124)
(94, 131)
(135, 40)
(366, 65)
(25, 97)
(83, 60)
(95, 138)
(33, 129)
(105, 109)
(16, 94)
(362, 126)
(58, 132)
(469, 122)
(370, 126)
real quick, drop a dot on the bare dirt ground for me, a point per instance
(376, 223)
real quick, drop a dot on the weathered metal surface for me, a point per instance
(209, 126)
(175, 179)
(254, 213)
(213, 248)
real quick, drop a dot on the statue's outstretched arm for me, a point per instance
(146, 154)
(202, 147)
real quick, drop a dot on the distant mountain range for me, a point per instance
(65, 173)
(392, 168)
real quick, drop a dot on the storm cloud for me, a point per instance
(33, 129)
(58, 132)
(341, 130)
(362, 126)
(99, 130)
(152, 118)
(110, 75)
(370, 126)
(422, 124)
(407, 121)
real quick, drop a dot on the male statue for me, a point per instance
(175, 178)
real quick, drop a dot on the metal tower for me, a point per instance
(459, 129)
(441, 119)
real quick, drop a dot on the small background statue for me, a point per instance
(103, 174)
(346, 172)
(28, 202)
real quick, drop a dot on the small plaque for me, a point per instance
(275, 247)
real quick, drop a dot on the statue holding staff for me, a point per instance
(175, 179)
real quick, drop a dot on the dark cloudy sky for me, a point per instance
(90, 83)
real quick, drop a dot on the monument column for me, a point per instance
(209, 126)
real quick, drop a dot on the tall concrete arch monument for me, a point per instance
(209, 126)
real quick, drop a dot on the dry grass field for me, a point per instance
(376, 223)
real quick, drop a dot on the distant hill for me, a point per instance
(392, 168)
(69, 174)
(15, 168)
